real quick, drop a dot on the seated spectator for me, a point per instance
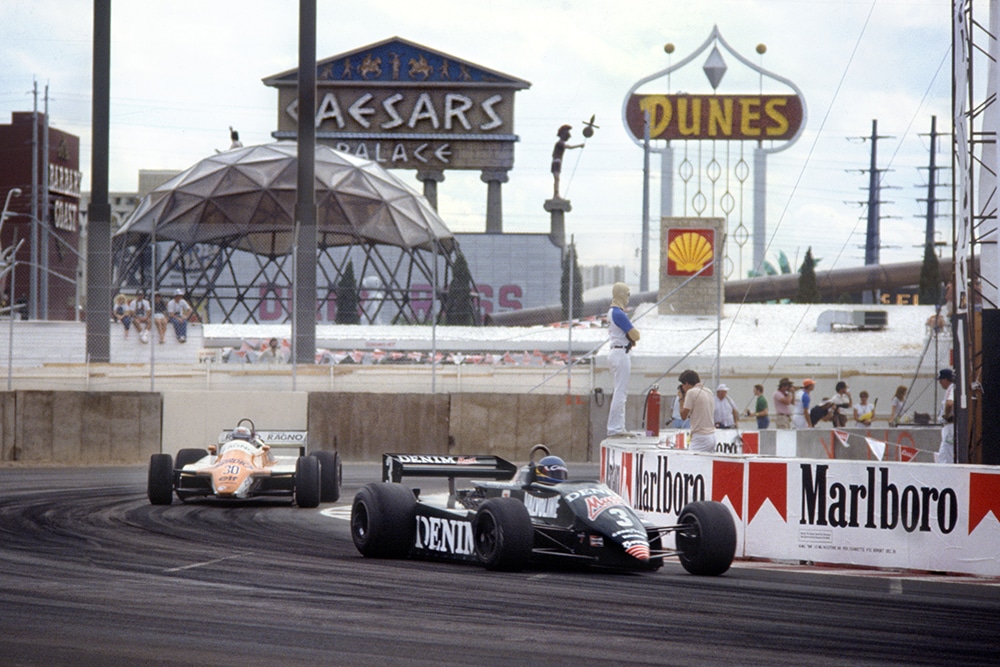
(121, 312)
(160, 316)
(178, 312)
(141, 314)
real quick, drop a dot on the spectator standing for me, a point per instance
(699, 407)
(178, 312)
(898, 401)
(160, 316)
(946, 452)
(272, 354)
(622, 335)
(842, 401)
(675, 413)
(784, 397)
(864, 412)
(141, 315)
(760, 408)
(726, 414)
(800, 408)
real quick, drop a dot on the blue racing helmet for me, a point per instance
(551, 470)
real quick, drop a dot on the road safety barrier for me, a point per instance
(885, 514)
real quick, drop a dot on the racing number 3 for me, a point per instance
(621, 516)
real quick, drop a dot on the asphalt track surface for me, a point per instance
(92, 574)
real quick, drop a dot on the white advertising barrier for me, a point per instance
(916, 516)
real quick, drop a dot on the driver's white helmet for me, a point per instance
(242, 433)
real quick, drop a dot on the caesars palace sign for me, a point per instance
(407, 107)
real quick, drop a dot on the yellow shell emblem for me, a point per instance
(689, 252)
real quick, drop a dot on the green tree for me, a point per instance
(348, 300)
(930, 277)
(577, 284)
(458, 306)
(808, 291)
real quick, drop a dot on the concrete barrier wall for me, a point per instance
(76, 428)
(363, 426)
(80, 427)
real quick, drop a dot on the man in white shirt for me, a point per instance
(178, 311)
(726, 414)
(946, 452)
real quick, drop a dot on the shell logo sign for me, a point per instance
(689, 251)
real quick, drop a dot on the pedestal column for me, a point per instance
(494, 179)
(430, 178)
(558, 208)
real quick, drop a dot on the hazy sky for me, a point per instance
(184, 71)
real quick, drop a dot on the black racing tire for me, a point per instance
(331, 475)
(383, 520)
(307, 482)
(504, 535)
(706, 540)
(190, 455)
(160, 483)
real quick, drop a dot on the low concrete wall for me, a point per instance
(80, 428)
(76, 428)
(363, 426)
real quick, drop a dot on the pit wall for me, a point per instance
(74, 428)
(884, 514)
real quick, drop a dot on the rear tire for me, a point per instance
(331, 475)
(706, 541)
(383, 520)
(160, 483)
(504, 534)
(307, 481)
(187, 456)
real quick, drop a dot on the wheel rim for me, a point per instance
(486, 535)
(689, 538)
(359, 521)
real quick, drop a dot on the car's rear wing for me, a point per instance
(397, 466)
(286, 439)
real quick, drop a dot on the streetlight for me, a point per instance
(13, 192)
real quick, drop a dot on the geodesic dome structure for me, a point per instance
(224, 232)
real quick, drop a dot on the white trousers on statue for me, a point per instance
(621, 368)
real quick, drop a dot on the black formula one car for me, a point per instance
(511, 518)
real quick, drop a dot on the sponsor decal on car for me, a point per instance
(542, 507)
(449, 536)
(443, 460)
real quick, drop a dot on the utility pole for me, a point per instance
(932, 199)
(43, 219)
(33, 266)
(873, 237)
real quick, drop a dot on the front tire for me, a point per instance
(331, 476)
(383, 520)
(504, 534)
(706, 539)
(190, 455)
(307, 481)
(160, 483)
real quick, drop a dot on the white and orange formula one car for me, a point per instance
(243, 465)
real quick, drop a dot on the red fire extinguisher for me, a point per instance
(652, 411)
